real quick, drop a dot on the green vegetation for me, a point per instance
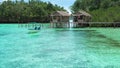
(101, 10)
(21, 11)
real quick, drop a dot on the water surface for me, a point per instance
(59, 47)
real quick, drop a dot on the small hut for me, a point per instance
(82, 17)
(59, 19)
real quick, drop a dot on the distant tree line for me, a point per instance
(31, 11)
(101, 10)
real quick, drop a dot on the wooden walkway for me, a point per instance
(30, 25)
(84, 24)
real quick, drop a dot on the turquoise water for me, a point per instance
(59, 48)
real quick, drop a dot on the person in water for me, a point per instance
(38, 28)
(35, 28)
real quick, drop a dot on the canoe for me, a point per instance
(33, 31)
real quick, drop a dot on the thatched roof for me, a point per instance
(60, 13)
(82, 13)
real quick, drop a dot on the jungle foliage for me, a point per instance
(101, 10)
(21, 11)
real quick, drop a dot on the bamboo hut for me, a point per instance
(60, 19)
(82, 17)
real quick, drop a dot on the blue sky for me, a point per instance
(64, 3)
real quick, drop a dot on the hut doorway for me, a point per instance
(80, 17)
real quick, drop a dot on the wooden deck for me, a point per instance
(84, 24)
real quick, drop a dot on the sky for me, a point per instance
(64, 3)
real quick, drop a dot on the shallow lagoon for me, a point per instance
(59, 48)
